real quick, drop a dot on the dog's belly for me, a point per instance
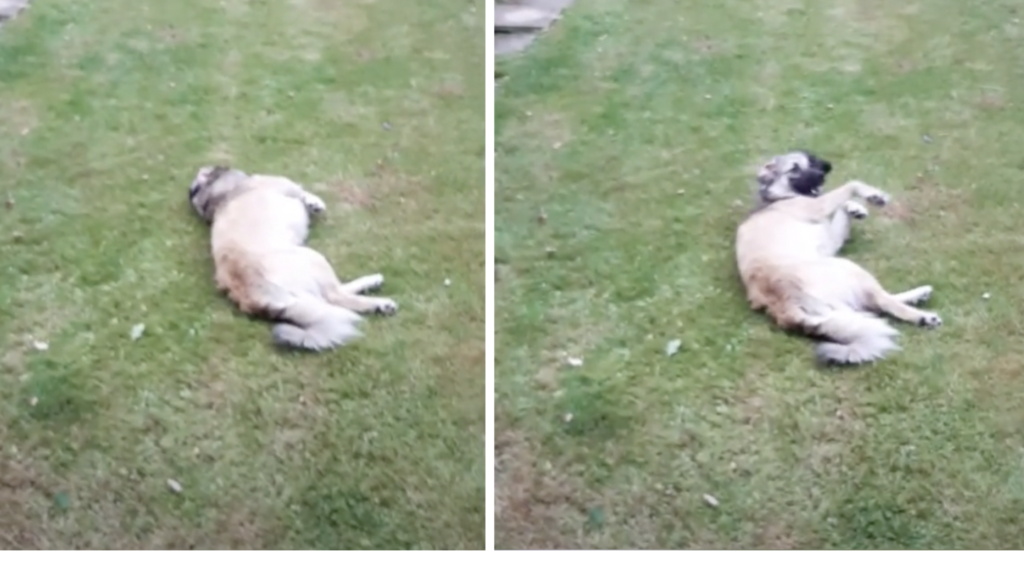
(262, 220)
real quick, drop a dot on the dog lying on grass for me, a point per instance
(259, 227)
(786, 254)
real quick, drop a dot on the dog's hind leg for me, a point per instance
(915, 296)
(896, 306)
(364, 284)
(361, 304)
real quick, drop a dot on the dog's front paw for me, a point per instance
(855, 210)
(314, 204)
(930, 320)
(386, 307)
(877, 198)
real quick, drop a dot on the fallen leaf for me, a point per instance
(61, 501)
(672, 347)
(137, 331)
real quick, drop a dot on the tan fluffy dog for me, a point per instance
(786, 252)
(259, 226)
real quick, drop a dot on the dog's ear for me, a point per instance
(826, 166)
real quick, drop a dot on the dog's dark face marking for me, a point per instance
(806, 176)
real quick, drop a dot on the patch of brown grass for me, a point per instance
(22, 497)
(531, 500)
(925, 197)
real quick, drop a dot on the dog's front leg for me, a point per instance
(313, 203)
(827, 204)
(291, 189)
(838, 227)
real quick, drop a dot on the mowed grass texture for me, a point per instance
(106, 111)
(627, 140)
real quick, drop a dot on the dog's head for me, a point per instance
(212, 185)
(797, 173)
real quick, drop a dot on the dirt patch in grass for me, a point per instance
(531, 499)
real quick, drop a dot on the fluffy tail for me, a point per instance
(315, 324)
(853, 337)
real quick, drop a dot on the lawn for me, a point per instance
(106, 111)
(627, 138)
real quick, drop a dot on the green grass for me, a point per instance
(636, 128)
(106, 111)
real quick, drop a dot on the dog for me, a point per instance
(786, 254)
(259, 224)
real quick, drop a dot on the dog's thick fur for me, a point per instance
(786, 254)
(259, 226)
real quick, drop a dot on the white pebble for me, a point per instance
(575, 362)
(986, 296)
(710, 500)
(41, 346)
(447, 282)
(174, 486)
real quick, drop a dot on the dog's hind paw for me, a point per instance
(855, 210)
(930, 320)
(386, 307)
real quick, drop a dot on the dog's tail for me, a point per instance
(853, 337)
(314, 324)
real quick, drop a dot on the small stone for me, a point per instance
(386, 126)
(33, 401)
(41, 346)
(710, 500)
(575, 362)
(567, 418)
(447, 282)
(550, 252)
(174, 486)
(926, 138)
(986, 296)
